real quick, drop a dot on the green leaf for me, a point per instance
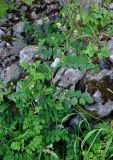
(15, 146)
(82, 101)
(74, 101)
(107, 146)
(87, 137)
(76, 148)
(89, 99)
(104, 52)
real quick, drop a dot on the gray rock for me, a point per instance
(2, 44)
(18, 28)
(18, 3)
(100, 85)
(10, 16)
(13, 48)
(84, 3)
(1, 33)
(75, 120)
(41, 20)
(71, 77)
(34, 15)
(88, 3)
(27, 53)
(4, 52)
(102, 110)
(3, 21)
(110, 45)
(52, 6)
(111, 57)
(10, 52)
(111, 6)
(55, 63)
(23, 9)
(101, 74)
(58, 75)
(17, 45)
(68, 78)
(11, 73)
(105, 64)
(72, 119)
(98, 96)
(48, 1)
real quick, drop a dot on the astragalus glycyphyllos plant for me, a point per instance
(31, 118)
(34, 118)
(73, 30)
(33, 121)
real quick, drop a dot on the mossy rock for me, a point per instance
(104, 86)
(7, 38)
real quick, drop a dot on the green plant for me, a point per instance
(72, 98)
(96, 18)
(48, 53)
(98, 143)
(82, 62)
(93, 50)
(4, 7)
(82, 30)
(86, 26)
(35, 117)
(31, 125)
(30, 133)
(33, 121)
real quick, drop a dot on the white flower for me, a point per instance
(75, 32)
(58, 25)
(78, 17)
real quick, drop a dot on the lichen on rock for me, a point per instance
(104, 85)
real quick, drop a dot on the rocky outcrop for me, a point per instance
(84, 3)
(68, 78)
(15, 44)
(88, 3)
(102, 110)
(11, 73)
(16, 47)
(27, 53)
(110, 45)
(100, 86)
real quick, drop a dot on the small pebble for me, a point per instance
(55, 63)
(111, 6)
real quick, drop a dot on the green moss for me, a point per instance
(103, 85)
(7, 38)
